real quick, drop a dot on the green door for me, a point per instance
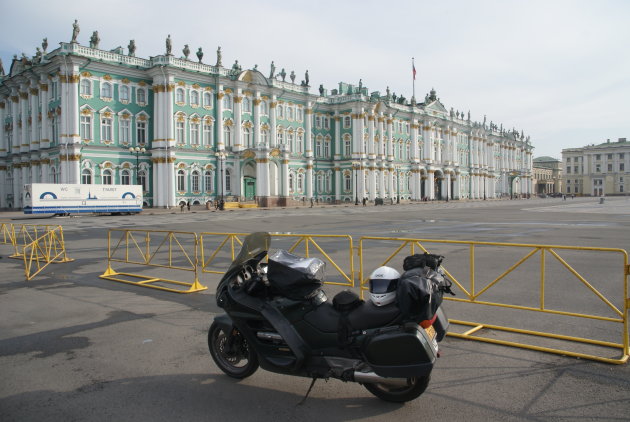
(250, 188)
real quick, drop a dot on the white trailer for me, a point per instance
(55, 198)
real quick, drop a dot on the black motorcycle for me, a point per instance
(279, 318)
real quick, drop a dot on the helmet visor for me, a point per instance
(382, 286)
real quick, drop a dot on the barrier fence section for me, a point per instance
(397, 248)
(26, 234)
(171, 250)
(46, 249)
(7, 234)
(219, 249)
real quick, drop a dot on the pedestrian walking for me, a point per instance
(188, 205)
(311, 202)
(181, 206)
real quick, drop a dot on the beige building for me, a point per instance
(547, 175)
(596, 170)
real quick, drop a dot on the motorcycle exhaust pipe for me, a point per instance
(266, 335)
(372, 378)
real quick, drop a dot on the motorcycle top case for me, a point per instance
(293, 276)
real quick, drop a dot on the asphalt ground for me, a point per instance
(74, 347)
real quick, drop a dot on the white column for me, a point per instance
(430, 184)
(414, 141)
(219, 123)
(273, 130)
(238, 129)
(15, 113)
(256, 134)
(285, 173)
(390, 149)
(338, 143)
(24, 144)
(370, 143)
(338, 183)
(426, 137)
(34, 99)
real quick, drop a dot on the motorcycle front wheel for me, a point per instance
(231, 354)
(397, 394)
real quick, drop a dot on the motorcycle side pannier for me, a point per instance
(419, 293)
(293, 276)
(400, 353)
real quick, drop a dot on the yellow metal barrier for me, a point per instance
(395, 249)
(217, 258)
(24, 234)
(46, 249)
(170, 250)
(7, 234)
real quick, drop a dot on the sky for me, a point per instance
(558, 70)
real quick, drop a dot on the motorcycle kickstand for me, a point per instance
(308, 392)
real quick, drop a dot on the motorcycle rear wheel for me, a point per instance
(240, 362)
(414, 388)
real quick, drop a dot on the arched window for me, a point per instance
(227, 135)
(142, 178)
(264, 136)
(207, 133)
(347, 145)
(347, 182)
(181, 180)
(318, 148)
(106, 128)
(264, 107)
(280, 137)
(227, 102)
(247, 105)
(207, 181)
(123, 95)
(86, 87)
(247, 137)
(300, 114)
(107, 177)
(228, 181)
(291, 185)
(86, 177)
(194, 133)
(289, 112)
(300, 182)
(106, 90)
(207, 99)
(280, 111)
(141, 96)
(290, 138)
(195, 178)
(179, 95)
(125, 177)
(194, 98)
(299, 144)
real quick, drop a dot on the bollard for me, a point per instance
(601, 200)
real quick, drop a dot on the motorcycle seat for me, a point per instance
(326, 318)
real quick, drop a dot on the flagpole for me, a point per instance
(413, 67)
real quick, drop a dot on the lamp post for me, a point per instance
(137, 151)
(356, 165)
(220, 158)
(448, 185)
(398, 185)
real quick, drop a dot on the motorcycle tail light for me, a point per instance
(428, 322)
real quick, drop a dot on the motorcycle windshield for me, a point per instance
(254, 245)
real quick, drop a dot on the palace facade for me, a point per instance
(71, 115)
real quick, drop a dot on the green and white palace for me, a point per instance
(71, 115)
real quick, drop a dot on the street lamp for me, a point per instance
(397, 184)
(220, 157)
(356, 165)
(137, 151)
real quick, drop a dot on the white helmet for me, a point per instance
(383, 283)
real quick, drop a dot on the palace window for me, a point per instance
(107, 177)
(141, 132)
(300, 114)
(125, 130)
(106, 90)
(280, 111)
(347, 145)
(326, 122)
(179, 96)
(247, 105)
(264, 136)
(291, 183)
(300, 182)
(299, 144)
(142, 178)
(318, 122)
(141, 96)
(194, 98)
(180, 133)
(194, 133)
(318, 148)
(346, 122)
(347, 182)
(207, 133)
(106, 129)
(227, 135)
(86, 127)
(181, 180)
(326, 148)
(86, 87)
(86, 177)
(207, 100)
(228, 180)
(227, 102)
(195, 181)
(247, 137)
(280, 137)
(289, 113)
(125, 177)
(207, 180)
(264, 108)
(123, 95)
